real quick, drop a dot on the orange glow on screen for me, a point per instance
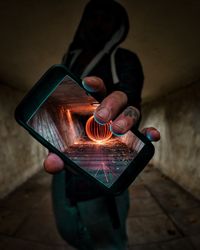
(96, 132)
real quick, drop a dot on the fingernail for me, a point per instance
(102, 115)
(87, 87)
(114, 133)
(149, 137)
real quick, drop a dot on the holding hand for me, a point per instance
(113, 107)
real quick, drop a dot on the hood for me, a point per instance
(105, 24)
(110, 11)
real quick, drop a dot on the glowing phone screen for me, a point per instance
(65, 120)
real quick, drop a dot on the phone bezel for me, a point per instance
(40, 92)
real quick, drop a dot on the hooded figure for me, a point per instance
(95, 50)
(83, 214)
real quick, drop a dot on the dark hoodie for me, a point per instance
(119, 68)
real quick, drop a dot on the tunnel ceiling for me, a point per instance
(164, 34)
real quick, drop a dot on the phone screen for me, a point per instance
(65, 119)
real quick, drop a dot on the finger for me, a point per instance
(94, 84)
(125, 121)
(110, 107)
(53, 164)
(151, 133)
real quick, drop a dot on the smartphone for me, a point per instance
(58, 112)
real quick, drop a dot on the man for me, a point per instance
(115, 75)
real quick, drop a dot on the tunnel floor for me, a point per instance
(162, 216)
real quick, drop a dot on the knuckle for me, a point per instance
(132, 113)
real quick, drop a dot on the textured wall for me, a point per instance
(20, 155)
(177, 116)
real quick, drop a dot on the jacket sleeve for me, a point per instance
(130, 75)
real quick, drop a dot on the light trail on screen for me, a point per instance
(96, 132)
(71, 124)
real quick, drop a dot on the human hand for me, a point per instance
(112, 108)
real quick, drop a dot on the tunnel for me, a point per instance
(164, 208)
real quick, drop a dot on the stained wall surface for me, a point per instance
(177, 116)
(20, 155)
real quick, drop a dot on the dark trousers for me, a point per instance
(87, 225)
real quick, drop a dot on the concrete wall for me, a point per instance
(177, 116)
(20, 155)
